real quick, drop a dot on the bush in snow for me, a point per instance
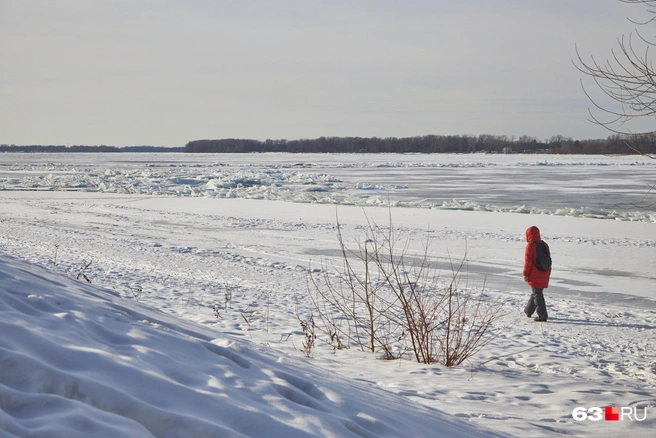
(386, 299)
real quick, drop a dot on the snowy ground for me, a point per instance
(175, 231)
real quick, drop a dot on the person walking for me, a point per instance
(537, 270)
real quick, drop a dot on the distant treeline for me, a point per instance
(429, 144)
(78, 148)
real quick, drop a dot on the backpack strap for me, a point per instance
(535, 259)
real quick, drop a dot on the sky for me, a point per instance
(165, 72)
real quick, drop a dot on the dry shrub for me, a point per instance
(386, 299)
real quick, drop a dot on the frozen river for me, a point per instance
(585, 186)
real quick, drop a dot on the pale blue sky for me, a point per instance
(163, 72)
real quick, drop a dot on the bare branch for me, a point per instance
(628, 78)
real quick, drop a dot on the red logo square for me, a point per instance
(612, 413)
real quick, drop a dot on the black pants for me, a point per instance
(536, 303)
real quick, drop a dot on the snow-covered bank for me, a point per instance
(79, 361)
(182, 254)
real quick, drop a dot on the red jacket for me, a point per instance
(536, 278)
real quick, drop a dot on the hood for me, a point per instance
(533, 234)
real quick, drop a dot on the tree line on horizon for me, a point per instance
(617, 144)
(430, 144)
